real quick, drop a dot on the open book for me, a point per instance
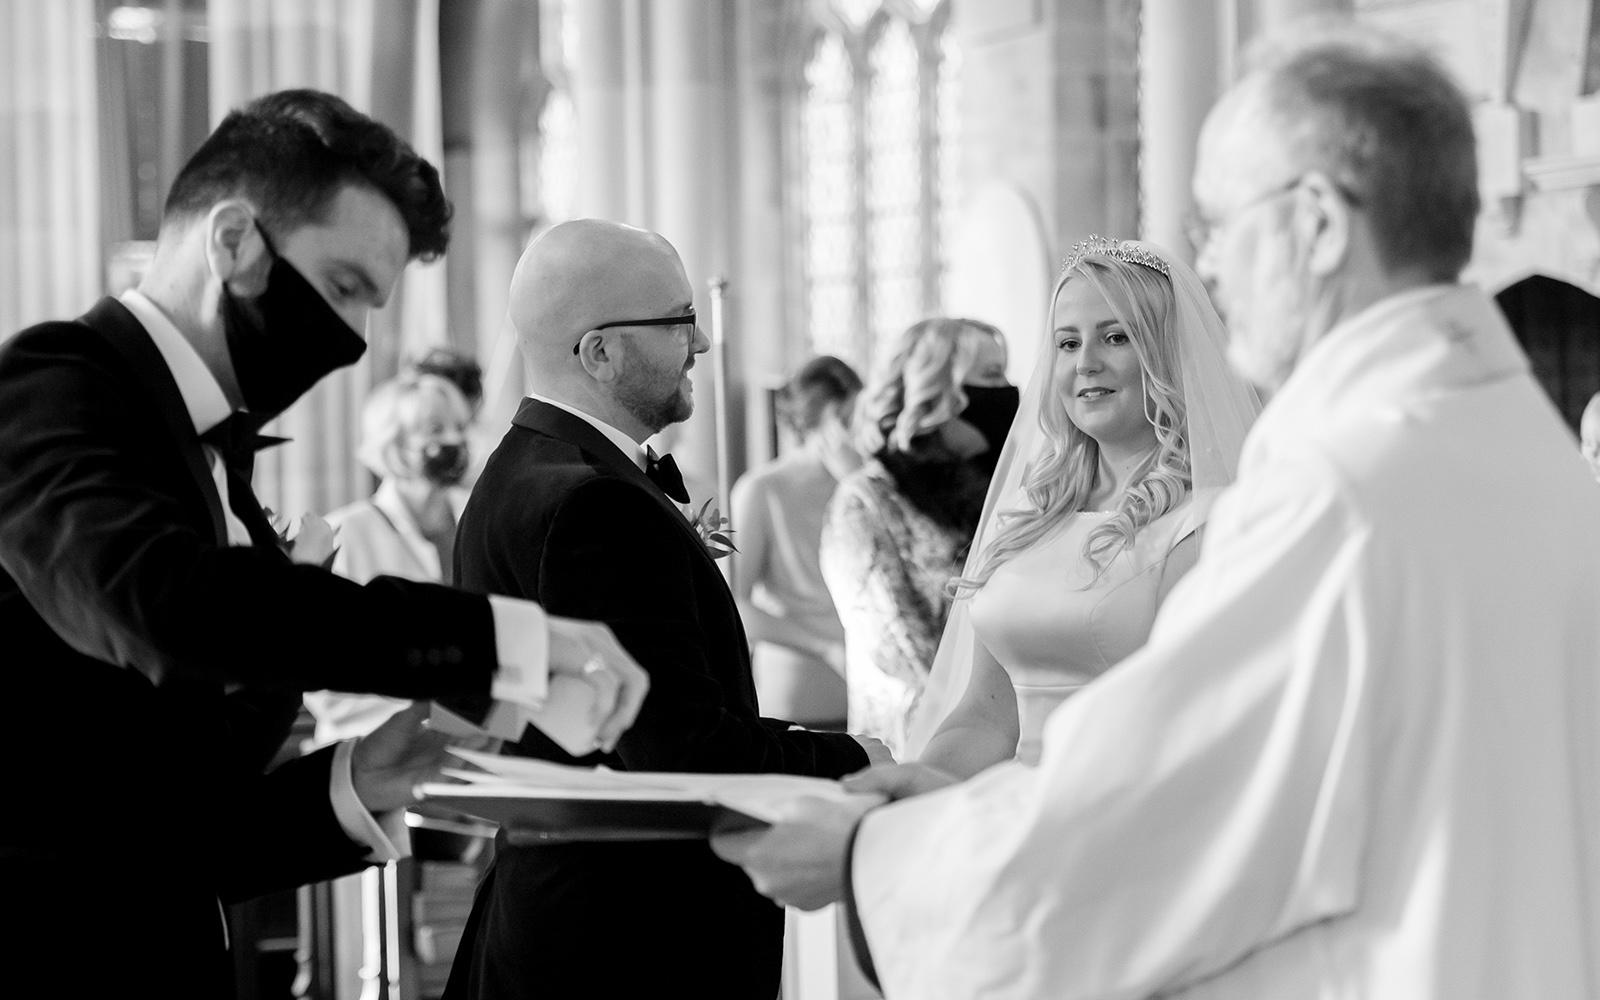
(539, 802)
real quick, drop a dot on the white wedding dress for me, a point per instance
(1054, 627)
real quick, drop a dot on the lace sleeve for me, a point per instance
(865, 564)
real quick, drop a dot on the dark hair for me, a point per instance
(291, 152)
(456, 367)
(1385, 119)
(822, 380)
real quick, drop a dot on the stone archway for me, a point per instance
(1559, 326)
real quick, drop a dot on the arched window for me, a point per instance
(875, 106)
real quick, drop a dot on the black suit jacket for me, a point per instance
(560, 515)
(152, 671)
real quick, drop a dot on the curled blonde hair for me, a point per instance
(1061, 478)
(917, 387)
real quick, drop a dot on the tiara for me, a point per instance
(1126, 251)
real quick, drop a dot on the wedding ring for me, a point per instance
(593, 666)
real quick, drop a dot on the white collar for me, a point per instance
(202, 393)
(625, 444)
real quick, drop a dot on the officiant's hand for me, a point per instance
(388, 763)
(589, 652)
(877, 753)
(899, 781)
(799, 860)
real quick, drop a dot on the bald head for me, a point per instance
(584, 273)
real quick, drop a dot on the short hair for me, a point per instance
(395, 406)
(291, 152)
(917, 387)
(821, 381)
(456, 367)
(1389, 124)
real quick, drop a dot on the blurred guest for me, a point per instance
(462, 371)
(992, 400)
(413, 438)
(778, 511)
(1589, 434)
(898, 528)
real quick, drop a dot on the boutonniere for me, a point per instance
(313, 542)
(713, 530)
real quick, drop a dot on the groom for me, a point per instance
(573, 510)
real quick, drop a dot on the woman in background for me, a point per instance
(898, 528)
(797, 639)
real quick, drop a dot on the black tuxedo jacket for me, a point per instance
(560, 515)
(152, 672)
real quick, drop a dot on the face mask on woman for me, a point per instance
(444, 463)
(991, 409)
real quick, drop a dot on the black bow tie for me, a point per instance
(663, 471)
(237, 437)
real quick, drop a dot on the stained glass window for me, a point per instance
(877, 106)
(830, 200)
(894, 184)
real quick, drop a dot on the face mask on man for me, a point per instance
(285, 340)
(991, 409)
(444, 464)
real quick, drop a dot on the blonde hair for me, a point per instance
(1061, 479)
(402, 403)
(917, 387)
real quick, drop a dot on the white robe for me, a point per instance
(1358, 757)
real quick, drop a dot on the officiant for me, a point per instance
(158, 638)
(1359, 755)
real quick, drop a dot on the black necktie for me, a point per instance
(663, 471)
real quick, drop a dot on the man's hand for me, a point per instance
(877, 753)
(798, 861)
(589, 652)
(899, 781)
(388, 763)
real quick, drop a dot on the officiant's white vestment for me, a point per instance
(1358, 757)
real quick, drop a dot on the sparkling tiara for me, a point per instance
(1124, 250)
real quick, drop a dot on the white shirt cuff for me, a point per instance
(385, 836)
(522, 643)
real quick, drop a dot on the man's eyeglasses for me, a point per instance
(1200, 230)
(685, 320)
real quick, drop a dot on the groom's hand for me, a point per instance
(799, 860)
(899, 781)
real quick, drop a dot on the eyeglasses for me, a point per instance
(1200, 231)
(685, 320)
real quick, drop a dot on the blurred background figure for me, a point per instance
(992, 400)
(414, 431)
(463, 372)
(1589, 434)
(778, 511)
(898, 528)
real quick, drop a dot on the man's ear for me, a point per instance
(598, 355)
(234, 249)
(1328, 218)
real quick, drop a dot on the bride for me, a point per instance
(1130, 425)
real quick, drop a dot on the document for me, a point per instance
(540, 802)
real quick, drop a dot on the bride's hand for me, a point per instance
(899, 781)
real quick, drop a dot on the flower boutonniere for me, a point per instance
(713, 530)
(313, 544)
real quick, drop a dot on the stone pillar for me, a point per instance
(689, 196)
(1179, 42)
(599, 83)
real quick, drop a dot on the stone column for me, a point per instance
(1179, 41)
(689, 160)
(600, 100)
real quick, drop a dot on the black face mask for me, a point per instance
(444, 464)
(285, 340)
(991, 408)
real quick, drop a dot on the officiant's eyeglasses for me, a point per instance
(685, 320)
(1200, 231)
